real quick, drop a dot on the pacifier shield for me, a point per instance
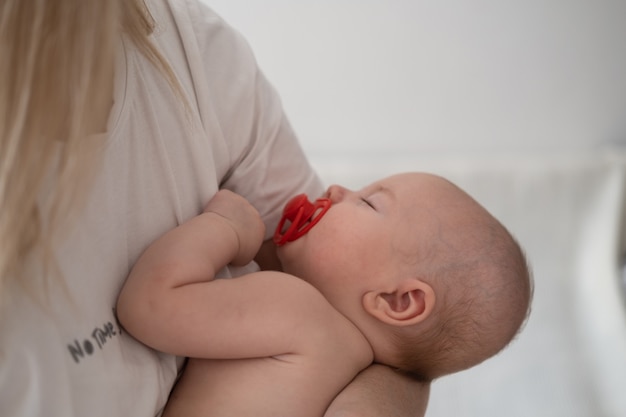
(299, 216)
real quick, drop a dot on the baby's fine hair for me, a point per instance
(483, 289)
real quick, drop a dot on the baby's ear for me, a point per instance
(410, 302)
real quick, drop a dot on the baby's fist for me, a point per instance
(245, 221)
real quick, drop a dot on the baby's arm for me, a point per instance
(171, 302)
(228, 231)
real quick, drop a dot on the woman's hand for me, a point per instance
(379, 391)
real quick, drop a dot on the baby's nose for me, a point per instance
(336, 193)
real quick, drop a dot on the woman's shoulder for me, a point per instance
(217, 58)
(195, 18)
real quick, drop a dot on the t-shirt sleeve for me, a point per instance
(272, 167)
(266, 163)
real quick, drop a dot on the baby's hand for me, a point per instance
(245, 221)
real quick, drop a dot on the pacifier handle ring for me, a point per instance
(282, 238)
(320, 203)
(303, 205)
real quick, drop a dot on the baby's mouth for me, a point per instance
(299, 216)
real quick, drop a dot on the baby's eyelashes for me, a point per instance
(366, 201)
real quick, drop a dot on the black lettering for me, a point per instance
(88, 347)
(101, 335)
(76, 351)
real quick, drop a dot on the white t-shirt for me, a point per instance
(68, 356)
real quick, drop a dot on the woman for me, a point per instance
(118, 121)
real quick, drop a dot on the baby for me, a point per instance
(410, 272)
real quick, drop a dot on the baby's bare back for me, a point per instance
(301, 353)
(287, 386)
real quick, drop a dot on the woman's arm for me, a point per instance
(379, 391)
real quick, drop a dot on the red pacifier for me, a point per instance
(302, 216)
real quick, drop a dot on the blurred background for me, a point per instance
(523, 104)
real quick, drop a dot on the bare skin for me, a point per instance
(284, 355)
(291, 343)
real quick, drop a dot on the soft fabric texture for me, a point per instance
(66, 355)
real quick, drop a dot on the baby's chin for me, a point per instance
(289, 255)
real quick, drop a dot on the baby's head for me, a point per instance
(435, 283)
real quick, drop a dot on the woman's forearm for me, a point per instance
(379, 391)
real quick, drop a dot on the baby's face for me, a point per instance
(370, 235)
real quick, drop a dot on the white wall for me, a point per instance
(522, 103)
(372, 77)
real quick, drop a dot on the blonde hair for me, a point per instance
(56, 73)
